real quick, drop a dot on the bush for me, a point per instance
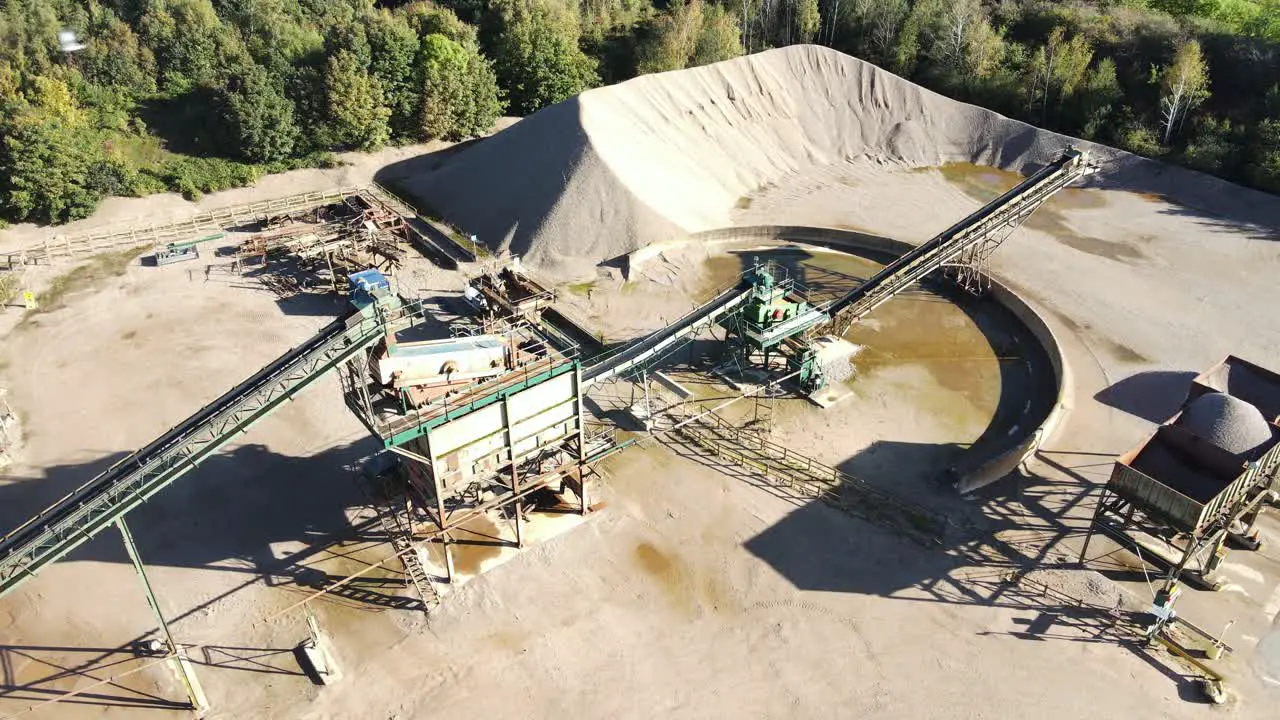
(1214, 148)
(194, 176)
(1141, 140)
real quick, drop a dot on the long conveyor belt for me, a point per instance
(1003, 213)
(87, 510)
(644, 350)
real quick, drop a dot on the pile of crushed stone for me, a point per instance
(1228, 422)
(655, 158)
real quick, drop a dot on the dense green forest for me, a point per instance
(142, 96)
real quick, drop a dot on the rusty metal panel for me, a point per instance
(1226, 499)
(1155, 498)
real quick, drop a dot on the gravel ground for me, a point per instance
(689, 594)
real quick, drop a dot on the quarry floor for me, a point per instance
(689, 593)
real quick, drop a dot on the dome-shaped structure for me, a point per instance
(1228, 422)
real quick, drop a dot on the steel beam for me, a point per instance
(181, 668)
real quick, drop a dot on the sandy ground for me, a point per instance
(664, 592)
(1145, 293)
(689, 594)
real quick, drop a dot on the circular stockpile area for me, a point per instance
(1228, 422)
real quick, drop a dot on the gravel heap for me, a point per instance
(1243, 382)
(614, 169)
(1230, 423)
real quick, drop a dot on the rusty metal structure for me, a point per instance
(1180, 497)
(496, 445)
(333, 240)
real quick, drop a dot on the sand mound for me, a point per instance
(1230, 423)
(607, 172)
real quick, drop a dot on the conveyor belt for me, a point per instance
(647, 348)
(1001, 214)
(86, 511)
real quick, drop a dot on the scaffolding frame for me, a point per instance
(448, 500)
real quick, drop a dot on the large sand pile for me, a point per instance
(613, 169)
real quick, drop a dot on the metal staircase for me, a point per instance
(94, 506)
(395, 525)
(970, 241)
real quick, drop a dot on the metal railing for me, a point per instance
(807, 478)
(122, 235)
(617, 362)
(404, 427)
(128, 235)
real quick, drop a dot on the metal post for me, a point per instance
(582, 437)
(1097, 513)
(445, 540)
(515, 473)
(363, 370)
(333, 277)
(1216, 555)
(177, 659)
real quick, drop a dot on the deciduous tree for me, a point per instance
(357, 111)
(1184, 84)
(536, 54)
(460, 93)
(259, 119)
(808, 20)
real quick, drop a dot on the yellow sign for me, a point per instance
(29, 299)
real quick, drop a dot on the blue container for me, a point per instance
(367, 286)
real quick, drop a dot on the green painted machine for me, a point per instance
(774, 321)
(775, 310)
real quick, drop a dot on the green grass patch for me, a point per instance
(144, 152)
(464, 240)
(9, 287)
(581, 288)
(88, 276)
(743, 203)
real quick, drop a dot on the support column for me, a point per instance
(1093, 523)
(1215, 557)
(445, 540)
(177, 656)
(363, 370)
(515, 472)
(582, 438)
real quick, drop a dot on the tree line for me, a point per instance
(200, 95)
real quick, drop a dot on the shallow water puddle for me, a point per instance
(985, 183)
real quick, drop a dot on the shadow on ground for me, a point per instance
(1153, 395)
(230, 512)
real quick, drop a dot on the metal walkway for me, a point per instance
(94, 506)
(644, 350)
(971, 240)
(802, 478)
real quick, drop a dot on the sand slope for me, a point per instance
(615, 168)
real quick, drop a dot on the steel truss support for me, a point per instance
(968, 243)
(512, 479)
(1206, 543)
(969, 269)
(177, 657)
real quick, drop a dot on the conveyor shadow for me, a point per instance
(229, 514)
(34, 674)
